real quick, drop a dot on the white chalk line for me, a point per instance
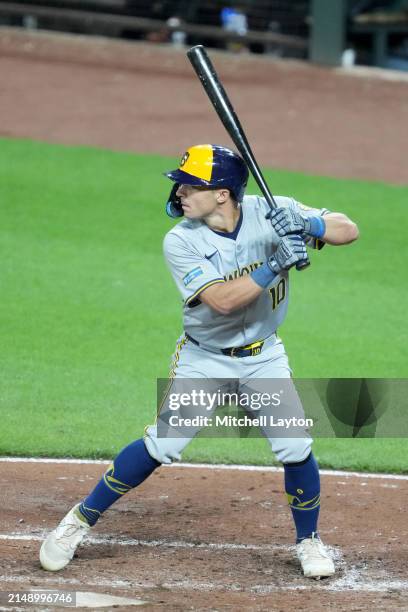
(117, 541)
(206, 466)
(351, 580)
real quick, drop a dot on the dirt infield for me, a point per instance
(189, 538)
(210, 539)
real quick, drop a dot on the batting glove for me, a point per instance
(291, 250)
(290, 221)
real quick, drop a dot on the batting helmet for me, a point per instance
(208, 166)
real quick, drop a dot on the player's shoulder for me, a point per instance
(256, 203)
(185, 228)
(186, 232)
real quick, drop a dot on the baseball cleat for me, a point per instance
(314, 558)
(60, 545)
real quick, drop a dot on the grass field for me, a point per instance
(90, 315)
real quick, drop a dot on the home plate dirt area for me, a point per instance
(205, 538)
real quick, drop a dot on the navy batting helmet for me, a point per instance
(208, 166)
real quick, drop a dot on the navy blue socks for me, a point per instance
(302, 486)
(134, 464)
(130, 468)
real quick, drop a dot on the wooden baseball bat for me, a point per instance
(225, 111)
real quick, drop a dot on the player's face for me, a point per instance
(197, 202)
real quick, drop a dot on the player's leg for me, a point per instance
(302, 481)
(301, 471)
(302, 486)
(130, 468)
(197, 372)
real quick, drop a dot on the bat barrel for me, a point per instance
(225, 111)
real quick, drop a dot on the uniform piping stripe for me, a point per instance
(91, 510)
(201, 289)
(117, 486)
(173, 367)
(315, 505)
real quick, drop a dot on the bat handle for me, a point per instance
(302, 265)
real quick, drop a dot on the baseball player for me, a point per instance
(230, 257)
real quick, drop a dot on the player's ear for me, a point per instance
(222, 195)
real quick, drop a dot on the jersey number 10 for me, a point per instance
(278, 293)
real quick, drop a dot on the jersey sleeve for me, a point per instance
(191, 271)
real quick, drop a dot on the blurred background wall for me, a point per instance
(331, 32)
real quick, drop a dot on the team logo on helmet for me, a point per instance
(184, 159)
(209, 166)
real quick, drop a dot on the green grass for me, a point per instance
(89, 314)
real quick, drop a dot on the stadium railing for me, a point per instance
(380, 25)
(112, 15)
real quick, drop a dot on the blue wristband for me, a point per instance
(317, 227)
(263, 275)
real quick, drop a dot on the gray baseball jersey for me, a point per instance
(199, 257)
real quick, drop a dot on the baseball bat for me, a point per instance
(225, 111)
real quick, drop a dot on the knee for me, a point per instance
(294, 450)
(161, 449)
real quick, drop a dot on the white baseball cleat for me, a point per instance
(60, 545)
(314, 558)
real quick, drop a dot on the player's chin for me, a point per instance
(191, 213)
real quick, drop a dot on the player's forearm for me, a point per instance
(231, 295)
(339, 229)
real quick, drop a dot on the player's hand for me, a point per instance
(288, 221)
(291, 250)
